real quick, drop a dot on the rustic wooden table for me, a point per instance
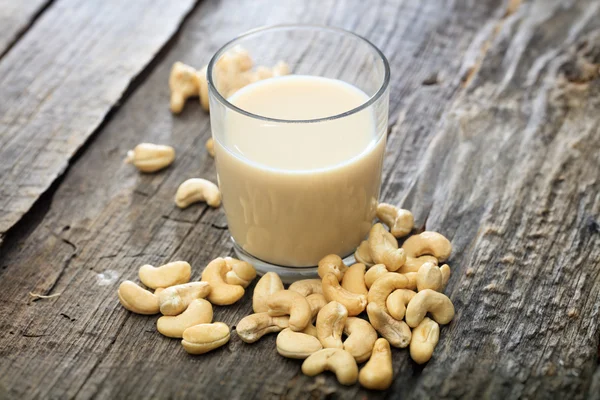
(494, 141)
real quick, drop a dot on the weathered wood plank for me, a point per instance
(15, 18)
(59, 82)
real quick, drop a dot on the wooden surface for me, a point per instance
(495, 142)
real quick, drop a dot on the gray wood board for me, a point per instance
(15, 18)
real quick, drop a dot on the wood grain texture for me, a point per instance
(494, 144)
(15, 18)
(61, 79)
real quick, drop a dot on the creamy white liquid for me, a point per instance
(295, 192)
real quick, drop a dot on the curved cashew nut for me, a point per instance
(148, 157)
(413, 264)
(397, 301)
(175, 299)
(184, 84)
(399, 220)
(374, 273)
(425, 338)
(254, 326)
(330, 325)
(445, 270)
(363, 254)
(361, 338)
(171, 274)
(290, 303)
(221, 293)
(138, 300)
(384, 286)
(241, 273)
(354, 279)
(334, 264)
(438, 305)
(384, 248)
(354, 303)
(265, 287)
(307, 287)
(337, 361)
(298, 345)
(200, 339)
(396, 332)
(198, 312)
(429, 277)
(430, 243)
(377, 374)
(316, 301)
(195, 190)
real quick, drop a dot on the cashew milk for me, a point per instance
(294, 192)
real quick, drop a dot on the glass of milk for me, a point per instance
(299, 157)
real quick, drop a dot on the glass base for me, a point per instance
(287, 274)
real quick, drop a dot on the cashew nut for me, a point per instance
(399, 220)
(210, 147)
(438, 305)
(198, 312)
(397, 301)
(330, 324)
(241, 273)
(354, 303)
(430, 243)
(200, 339)
(384, 248)
(361, 338)
(354, 279)
(307, 287)
(222, 293)
(286, 302)
(229, 74)
(378, 373)
(195, 190)
(374, 273)
(386, 284)
(298, 345)
(137, 300)
(148, 157)
(175, 299)
(396, 332)
(173, 273)
(184, 84)
(254, 326)
(429, 277)
(413, 264)
(334, 264)
(363, 254)
(316, 301)
(424, 339)
(445, 270)
(337, 361)
(265, 287)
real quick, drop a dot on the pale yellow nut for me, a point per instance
(334, 264)
(149, 157)
(330, 325)
(184, 84)
(396, 332)
(254, 326)
(445, 270)
(361, 337)
(210, 147)
(384, 249)
(241, 272)
(286, 302)
(363, 254)
(175, 299)
(200, 339)
(307, 287)
(171, 274)
(297, 345)
(377, 374)
(203, 88)
(265, 287)
(413, 264)
(198, 312)
(428, 301)
(424, 339)
(384, 286)
(230, 71)
(354, 303)
(375, 272)
(354, 279)
(195, 190)
(428, 243)
(137, 300)
(221, 293)
(397, 301)
(316, 301)
(337, 361)
(429, 277)
(399, 221)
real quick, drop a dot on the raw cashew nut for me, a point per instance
(337, 361)
(298, 345)
(361, 338)
(399, 220)
(198, 312)
(384, 248)
(429, 277)
(137, 300)
(171, 274)
(378, 373)
(175, 299)
(195, 190)
(241, 272)
(307, 287)
(255, 326)
(265, 287)
(363, 254)
(354, 303)
(413, 264)
(412, 280)
(184, 84)
(330, 324)
(222, 293)
(210, 147)
(354, 279)
(148, 157)
(316, 301)
(397, 301)
(286, 302)
(445, 270)
(374, 273)
(396, 332)
(334, 264)
(438, 305)
(430, 243)
(200, 339)
(384, 286)
(425, 338)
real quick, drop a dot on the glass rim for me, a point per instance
(372, 99)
